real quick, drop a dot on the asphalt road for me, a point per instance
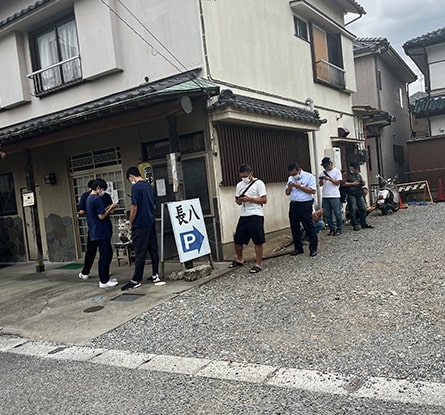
(32, 386)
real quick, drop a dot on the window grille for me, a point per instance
(95, 159)
(268, 151)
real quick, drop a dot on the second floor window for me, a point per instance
(328, 58)
(56, 56)
(300, 28)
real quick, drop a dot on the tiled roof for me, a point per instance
(359, 8)
(417, 95)
(353, 7)
(136, 98)
(247, 104)
(23, 12)
(429, 106)
(431, 38)
(370, 43)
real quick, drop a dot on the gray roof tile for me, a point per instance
(431, 38)
(429, 106)
(139, 97)
(370, 43)
(247, 104)
(23, 12)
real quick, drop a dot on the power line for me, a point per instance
(192, 78)
(152, 34)
(142, 38)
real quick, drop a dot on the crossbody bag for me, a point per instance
(246, 189)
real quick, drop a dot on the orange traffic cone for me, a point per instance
(401, 205)
(440, 195)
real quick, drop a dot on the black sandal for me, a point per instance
(255, 269)
(236, 264)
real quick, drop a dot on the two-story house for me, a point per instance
(383, 101)
(93, 87)
(426, 149)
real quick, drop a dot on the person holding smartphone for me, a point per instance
(330, 180)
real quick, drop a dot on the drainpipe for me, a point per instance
(310, 102)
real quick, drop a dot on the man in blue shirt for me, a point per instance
(91, 248)
(100, 230)
(142, 224)
(301, 188)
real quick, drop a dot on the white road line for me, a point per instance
(378, 388)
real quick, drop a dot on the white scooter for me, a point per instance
(388, 197)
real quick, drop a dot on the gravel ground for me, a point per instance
(372, 302)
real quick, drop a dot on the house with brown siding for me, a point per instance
(425, 151)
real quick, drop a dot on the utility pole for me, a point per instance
(184, 106)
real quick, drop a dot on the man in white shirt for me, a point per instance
(300, 188)
(251, 195)
(330, 180)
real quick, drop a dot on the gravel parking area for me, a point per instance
(371, 303)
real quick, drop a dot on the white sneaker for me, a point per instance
(83, 276)
(155, 278)
(108, 284)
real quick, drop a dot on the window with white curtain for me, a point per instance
(56, 56)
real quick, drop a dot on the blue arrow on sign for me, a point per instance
(191, 240)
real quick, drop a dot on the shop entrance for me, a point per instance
(106, 165)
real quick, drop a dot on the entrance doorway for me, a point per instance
(104, 164)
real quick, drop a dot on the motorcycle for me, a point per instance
(388, 197)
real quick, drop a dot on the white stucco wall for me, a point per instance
(263, 53)
(437, 125)
(13, 83)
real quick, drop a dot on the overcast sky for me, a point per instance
(400, 21)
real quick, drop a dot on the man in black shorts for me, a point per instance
(251, 195)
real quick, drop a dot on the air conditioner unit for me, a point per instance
(334, 154)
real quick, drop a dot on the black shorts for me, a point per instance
(250, 227)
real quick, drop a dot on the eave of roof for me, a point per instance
(137, 98)
(227, 99)
(371, 115)
(431, 38)
(355, 7)
(23, 12)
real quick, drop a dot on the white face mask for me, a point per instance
(132, 181)
(297, 176)
(246, 180)
(101, 193)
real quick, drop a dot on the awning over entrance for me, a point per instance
(373, 118)
(243, 109)
(168, 89)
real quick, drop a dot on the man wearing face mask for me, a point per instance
(301, 188)
(100, 230)
(91, 248)
(251, 195)
(142, 224)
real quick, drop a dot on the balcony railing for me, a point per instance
(56, 76)
(331, 74)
